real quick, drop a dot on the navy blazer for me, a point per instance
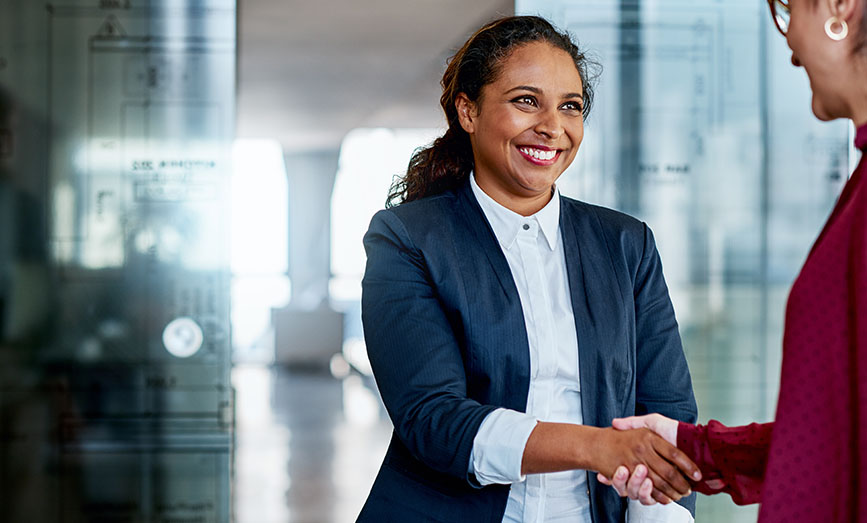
(447, 342)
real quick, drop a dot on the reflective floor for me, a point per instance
(308, 445)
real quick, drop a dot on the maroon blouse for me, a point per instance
(811, 463)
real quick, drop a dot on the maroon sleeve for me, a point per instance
(731, 459)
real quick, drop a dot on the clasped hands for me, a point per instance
(646, 448)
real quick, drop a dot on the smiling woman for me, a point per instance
(500, 346)
(480, 62)
(527, 127)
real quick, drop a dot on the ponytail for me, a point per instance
(435, 169)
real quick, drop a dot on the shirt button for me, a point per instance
(526, 227)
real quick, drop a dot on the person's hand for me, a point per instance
(665, 465)
(665, 427)
(639, 486)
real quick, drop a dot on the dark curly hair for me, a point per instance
(449, 159)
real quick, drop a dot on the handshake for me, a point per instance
(650, 469)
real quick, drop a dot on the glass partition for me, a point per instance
(702, 128)
(115, 399)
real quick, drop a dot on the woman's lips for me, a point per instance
(538, 155)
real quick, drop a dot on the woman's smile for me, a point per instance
(539, 155)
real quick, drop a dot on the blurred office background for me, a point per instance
(183, 190)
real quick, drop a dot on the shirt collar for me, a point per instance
(506, 223)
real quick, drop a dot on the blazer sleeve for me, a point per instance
(414, 353)
(732, 459)
(663, 383)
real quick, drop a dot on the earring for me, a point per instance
(829, 28)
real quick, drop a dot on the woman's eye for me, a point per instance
(572, 106)
(528, 100)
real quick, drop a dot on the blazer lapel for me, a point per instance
(502, 312)
(484, 235)
(587, 267)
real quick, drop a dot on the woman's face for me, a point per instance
(526, 127)
(826, 61)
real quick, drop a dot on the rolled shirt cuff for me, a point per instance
(498, 448)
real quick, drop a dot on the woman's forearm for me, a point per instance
(554, 447)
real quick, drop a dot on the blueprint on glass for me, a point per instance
(115, 392)
(142, 98)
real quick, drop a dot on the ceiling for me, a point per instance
(309, 72)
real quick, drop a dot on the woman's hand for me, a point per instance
(665, 427)
(652, 459)
(639, 486)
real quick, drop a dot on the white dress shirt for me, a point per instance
(535, 255)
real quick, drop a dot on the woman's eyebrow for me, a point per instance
(536, 90)
(525, 88)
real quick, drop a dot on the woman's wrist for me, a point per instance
(589, 447)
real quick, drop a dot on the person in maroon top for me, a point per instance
(811, 463)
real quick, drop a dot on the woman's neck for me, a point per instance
(858, 100)
(859, 114)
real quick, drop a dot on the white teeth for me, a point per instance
(538, 153)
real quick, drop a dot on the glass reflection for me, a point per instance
(115, 400)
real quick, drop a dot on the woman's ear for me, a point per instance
(466, 112)
(845, 10)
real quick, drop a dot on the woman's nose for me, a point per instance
(549, 124)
